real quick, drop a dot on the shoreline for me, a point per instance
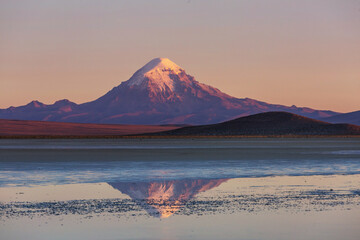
(167, 136)
(156, 180)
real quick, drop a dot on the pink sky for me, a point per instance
(305, 52)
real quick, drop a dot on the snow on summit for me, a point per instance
(157, 71)
(158, 93)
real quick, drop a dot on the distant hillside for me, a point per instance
(352, 118)
(265, 124)
(262, 124)
(41, 128)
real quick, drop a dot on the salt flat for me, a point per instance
(180, 189)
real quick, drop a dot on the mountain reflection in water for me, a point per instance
(163, 198)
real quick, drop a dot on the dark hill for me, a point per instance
(265, 124)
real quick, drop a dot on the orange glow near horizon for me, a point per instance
(303, 53)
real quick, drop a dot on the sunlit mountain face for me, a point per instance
(164, 198)
(161, 92)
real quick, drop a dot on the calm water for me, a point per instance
(43, 162)
(180, 189)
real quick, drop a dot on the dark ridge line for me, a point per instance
(169, 136)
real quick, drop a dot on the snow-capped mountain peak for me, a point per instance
(160, 92)
(158, 72)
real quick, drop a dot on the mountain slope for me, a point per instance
(267, 124)
(352, 118)
(161, 92)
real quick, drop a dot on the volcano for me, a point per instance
(161, 92)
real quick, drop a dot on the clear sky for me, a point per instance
(305, 52)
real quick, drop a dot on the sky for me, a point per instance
(303, 53)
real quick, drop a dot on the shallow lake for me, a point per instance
(180, 188)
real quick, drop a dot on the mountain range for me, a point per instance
(351, 117)
(159, 93)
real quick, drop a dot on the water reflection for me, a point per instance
(164, 198)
